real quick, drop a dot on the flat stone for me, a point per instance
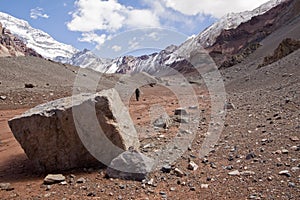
(6, 186)
(130, 165)
(80, 131)
(247, 173)
(234, 173)
(204, 186)
(54, 178)
(284, 151)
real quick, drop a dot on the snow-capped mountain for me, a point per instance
(88, 59)
(232, 21)
(36, 39)
(174, 57)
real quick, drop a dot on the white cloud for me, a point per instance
(216, 8)
(116, 48)
(110, 16)
(93, 38)
(133, 43)
(38, 12)
(154, 36)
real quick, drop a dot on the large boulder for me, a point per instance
(78, 131)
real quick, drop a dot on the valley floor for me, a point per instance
(256, 157)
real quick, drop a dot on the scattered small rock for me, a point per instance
(229, 106)
(247, 173)
(250, 156)
(166, 168)
(193, 107)
(294, 139)
(91, 194)
(29, 85)
(178, 172)
(291, 184)
(285, 173)
(3, 98)
(81, 180)
(130, 165)
(295, 148)
(294, 169)
(54, 178)
(204, 186)
(193, 166)
(284, 151)
(213, 165)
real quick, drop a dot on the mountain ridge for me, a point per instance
(172, 57)
(37, 39)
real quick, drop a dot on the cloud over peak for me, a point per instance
(38, 12)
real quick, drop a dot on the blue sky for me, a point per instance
(120, 26)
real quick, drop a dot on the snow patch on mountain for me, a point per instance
(36, 39)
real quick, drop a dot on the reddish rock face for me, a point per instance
(10, 45)
(233, 45)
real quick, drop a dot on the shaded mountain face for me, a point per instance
(232, 46)
(286, 47)
(11, 45)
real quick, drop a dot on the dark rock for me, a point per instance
(166, 168)
(29, 85)
(180, 111)
(250, 156)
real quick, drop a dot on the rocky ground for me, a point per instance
(256, 157)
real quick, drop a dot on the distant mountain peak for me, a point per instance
(36, 39)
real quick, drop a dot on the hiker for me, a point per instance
(137, 94)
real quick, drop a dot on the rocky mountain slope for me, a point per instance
(233, 45)
(286, 47)
(160, 63)
(11, 45)
(172, 57)
(36, 39)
